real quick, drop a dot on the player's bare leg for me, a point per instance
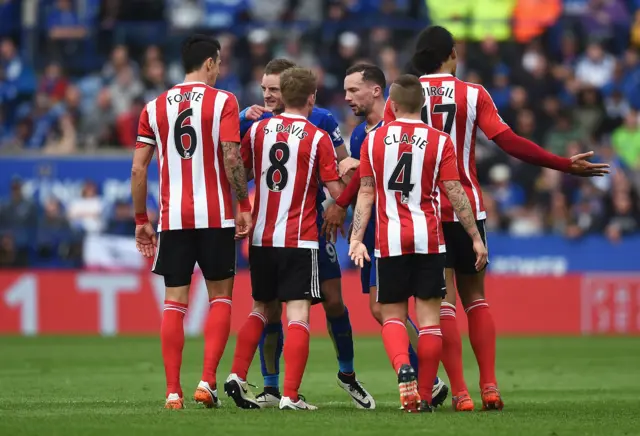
(482, 335)
(176, 300)
(296, 354)
(429, 347)
(452, 347)
(339, 328)
(396, 344)
(216, 335)
(271, 345)
(236, 385)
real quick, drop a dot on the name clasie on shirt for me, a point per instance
(413, 140)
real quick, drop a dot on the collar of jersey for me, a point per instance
(434, 76)
(191, 83)
(407, 120)
(288, 115)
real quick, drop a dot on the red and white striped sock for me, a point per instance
(216, 335)
(396, 342)
(247, 343)
(482, 335)
(296, 354)
(172, 340)
(452, 348)
(429, 354)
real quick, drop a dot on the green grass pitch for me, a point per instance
(115, 386)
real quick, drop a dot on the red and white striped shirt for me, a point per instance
(458, 108)
(408, 159)
(188, 123)
(289, 156)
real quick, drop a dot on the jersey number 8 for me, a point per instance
(277, 175)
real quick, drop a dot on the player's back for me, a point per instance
(459, 108)
(405, 157)
(287, 153)
(188, 124)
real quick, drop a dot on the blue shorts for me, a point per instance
(328, 264)
(368, 273)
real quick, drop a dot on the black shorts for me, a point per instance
(410, 275)
(178, 251)
(460, 254)
(284, 274)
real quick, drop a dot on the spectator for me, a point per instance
(589, 115)
(119, 61)
(501, 89)
(563, 132)
(509, 197)
(86, 213)
(125, 90)
(53, 82)
(17, 213)
(63, 138)
(623, 219)
(558, 217)
(626, 141)
(154, 80)
(54, 231)
(43, 118)
(10, 255)
(97, 127)
(63, 23)
(127, 124)
(121, 222)
(607, 20)
(596, 67)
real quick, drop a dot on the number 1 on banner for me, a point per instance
(24, 295)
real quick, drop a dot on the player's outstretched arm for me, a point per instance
(462, 207)
(235, 171)
(531, 153)
(361, 217)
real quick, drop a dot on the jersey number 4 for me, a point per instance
(400, 179)
(180, 130)
(277, 175)
(448, 111)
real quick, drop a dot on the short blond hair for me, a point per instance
(406, 92)
(296, 85)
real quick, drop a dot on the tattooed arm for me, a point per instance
(357, 250)
(462, 207)
(234, 169)
(362, 212)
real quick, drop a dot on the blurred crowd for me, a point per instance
(563, 73)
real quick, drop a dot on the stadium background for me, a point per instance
(74, 76)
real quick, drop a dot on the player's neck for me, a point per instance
(303, 112)
(375, 116)
(443, 70)
(408, 116)
(195, 77)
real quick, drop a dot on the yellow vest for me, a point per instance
(491, 18)
(452, 15)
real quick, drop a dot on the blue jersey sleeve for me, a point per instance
(330, 125)
(245, 124)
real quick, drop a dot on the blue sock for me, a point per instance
(342, 337)
(271, 344)
(413, 356)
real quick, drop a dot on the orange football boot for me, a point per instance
(462, 403)
(174, 402)
(491, 398)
